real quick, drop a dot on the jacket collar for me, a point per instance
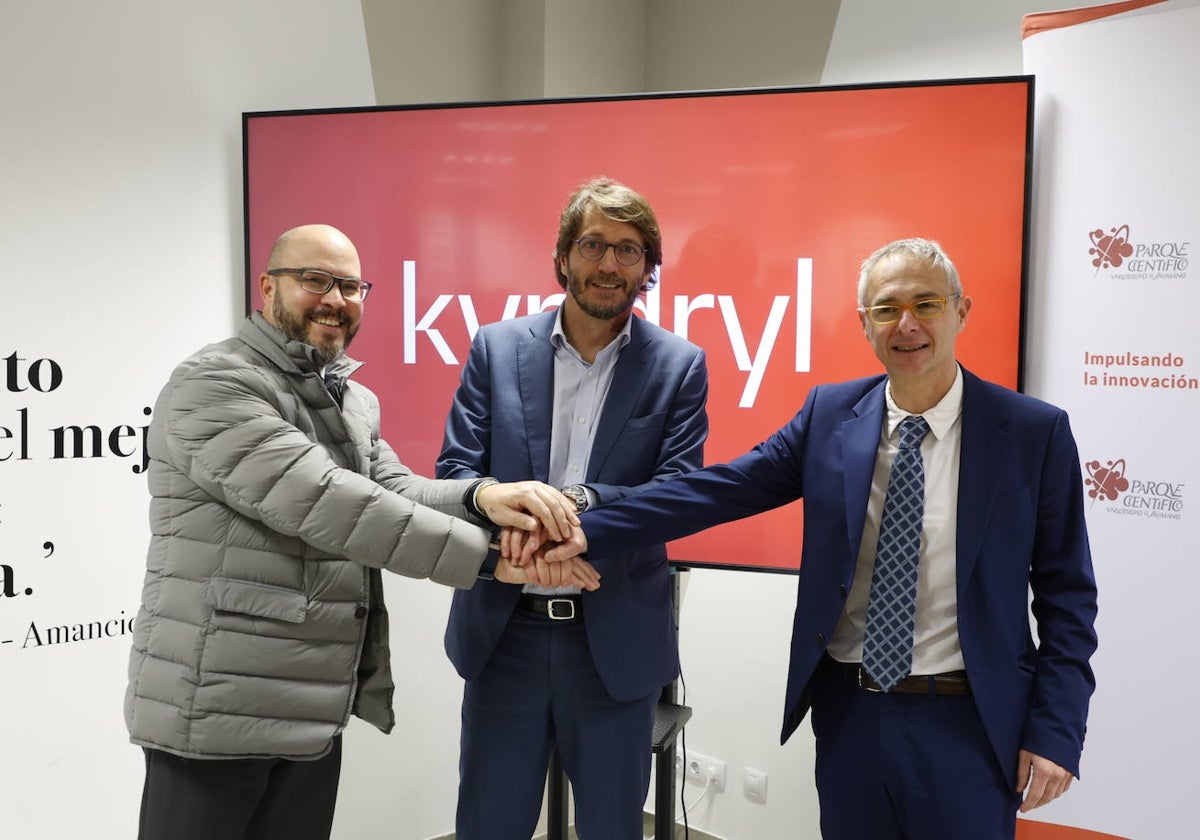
(288, 355)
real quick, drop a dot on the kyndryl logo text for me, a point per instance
(461, 306)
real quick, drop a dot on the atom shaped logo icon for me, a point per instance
(1110, 249)
(1107, 481)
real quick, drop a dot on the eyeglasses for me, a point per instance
(593, 250)
(925, 309)
(318, 282)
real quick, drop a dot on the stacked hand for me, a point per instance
(538, 546)
(536, 518)
(526, 505)
(576, 572)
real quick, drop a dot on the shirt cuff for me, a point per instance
(487, 569)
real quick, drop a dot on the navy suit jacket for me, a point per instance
(1020, 527)
(652, 427)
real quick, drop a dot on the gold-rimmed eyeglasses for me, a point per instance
(925, 309)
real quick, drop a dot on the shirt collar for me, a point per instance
(940, 418)
(559, 338)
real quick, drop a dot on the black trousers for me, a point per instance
(239, 799)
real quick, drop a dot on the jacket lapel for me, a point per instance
(985, 447)
(629, 379)
(535, 384)
(860, 444)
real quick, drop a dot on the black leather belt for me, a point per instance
(949, 683)
(553, 607)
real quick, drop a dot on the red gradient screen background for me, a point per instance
(768, 201)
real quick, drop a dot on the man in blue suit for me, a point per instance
(967, 719)
(602, 405)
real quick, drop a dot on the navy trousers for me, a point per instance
(239, 799)
(906, 767)
(540, 690)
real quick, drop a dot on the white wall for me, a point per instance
(711, 44)
(878, 41)
(120, 181)
(434, 50)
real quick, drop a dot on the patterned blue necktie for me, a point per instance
(892, 610)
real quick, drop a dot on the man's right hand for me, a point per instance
(575, 572)
(523, 548)
(526, 504)
(574, 545)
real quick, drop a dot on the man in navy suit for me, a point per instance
(602, 405)
(984, 720)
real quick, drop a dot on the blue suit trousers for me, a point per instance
(539, 691)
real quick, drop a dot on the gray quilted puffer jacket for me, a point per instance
(262, 625)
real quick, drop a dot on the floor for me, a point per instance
(647, 833)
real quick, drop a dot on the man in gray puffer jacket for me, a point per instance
(275, 503)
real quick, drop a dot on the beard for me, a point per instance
(603, 310)
(295, 327)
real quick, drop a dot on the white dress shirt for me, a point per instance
(935, 637)
(580, 390)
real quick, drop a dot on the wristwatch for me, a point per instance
(577, 494)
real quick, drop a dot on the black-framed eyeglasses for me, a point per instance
(318, 282)
(925, 309)
(592, 250)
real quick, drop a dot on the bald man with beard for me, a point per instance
(274, 507)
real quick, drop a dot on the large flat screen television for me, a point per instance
(769, 199)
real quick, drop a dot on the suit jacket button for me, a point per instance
(820, 638)
(842, 589)
(360, 612)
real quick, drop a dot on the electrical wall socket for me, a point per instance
(754, 785)
(701, 768)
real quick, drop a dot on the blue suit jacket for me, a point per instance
(652, 428)
(1020, 527)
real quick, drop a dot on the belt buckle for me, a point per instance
(862, 674)
(560, 609)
